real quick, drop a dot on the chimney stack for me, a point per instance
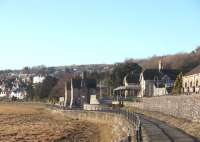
(160, 65)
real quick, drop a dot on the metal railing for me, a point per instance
(132, 117)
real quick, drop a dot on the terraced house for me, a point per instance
(191, 81)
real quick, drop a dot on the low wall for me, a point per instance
(121, 127)
(183, 106)
(93, 107)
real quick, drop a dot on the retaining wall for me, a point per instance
(183, 106)
(121, 127)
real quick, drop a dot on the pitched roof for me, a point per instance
(150, 74)
(171, 73)
(194, 71)
(80, 83)
(132, 78)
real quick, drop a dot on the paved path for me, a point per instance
(158, 131)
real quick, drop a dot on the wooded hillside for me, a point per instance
(183, 61)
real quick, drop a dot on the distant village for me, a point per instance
(14, 84)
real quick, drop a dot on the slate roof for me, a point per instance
(132, 78)
(194, 71)
(171, 73)
(150, 74)
(81, 83)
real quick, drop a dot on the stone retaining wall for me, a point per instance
(183, 106)
(120, 126)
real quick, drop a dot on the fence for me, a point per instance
(135, 120)
(132, 118)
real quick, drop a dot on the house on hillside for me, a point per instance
(25, 77)
(157, 82)
(3, 94)
(38, 79)
(191, 81)
(20, 95)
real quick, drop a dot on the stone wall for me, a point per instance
(159, 91)
(93, 107)
(120, 126)
(183, 106)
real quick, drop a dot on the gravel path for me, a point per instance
(158, 131)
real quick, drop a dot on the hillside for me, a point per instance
(183, 61)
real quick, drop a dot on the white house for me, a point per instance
(129, 88)
(38, 79)
(3, 94)
(18, 95)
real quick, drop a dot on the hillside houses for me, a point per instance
(13, 88)
(159, 82)
(152, 82)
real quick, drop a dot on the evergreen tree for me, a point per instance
(177, 89)
(121, 70)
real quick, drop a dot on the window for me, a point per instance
(197, 83)
(191, 84)
(185, 84)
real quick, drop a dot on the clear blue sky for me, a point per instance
(64, 32)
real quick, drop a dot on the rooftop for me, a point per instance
(194, 71)
(150, 74)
